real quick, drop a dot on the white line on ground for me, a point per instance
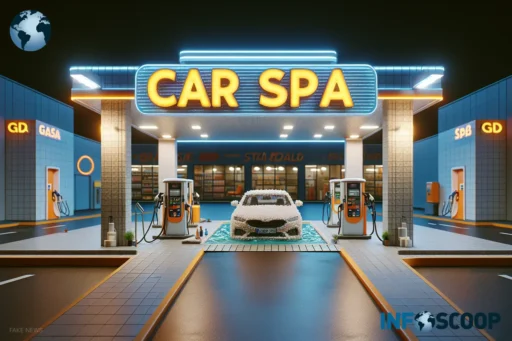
(506, 276)
(432, 224)
(508, 234)
(16, 279)
(456, 227)
(1, 234)
(52, 227)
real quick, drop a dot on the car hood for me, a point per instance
(266, 212)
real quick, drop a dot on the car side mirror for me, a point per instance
(298, 203)
(234, 203)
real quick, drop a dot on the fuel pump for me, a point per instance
(177, 208)
(352, 211)
(62, 205)
(332, 202)
(451, 206)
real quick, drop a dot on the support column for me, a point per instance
(353, 158)
(116, 161)
(397, 155)
(167, 165)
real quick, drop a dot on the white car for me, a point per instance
(266, 214)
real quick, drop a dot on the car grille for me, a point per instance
(268, 224)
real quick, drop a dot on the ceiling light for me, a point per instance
(354, 136)
(323, 168)
(317, 136)
(181, 170)
(343, 170)
(196, 127)
(329, 127)
(269, 168)
(369, 127)
(231, 168)
(428, 81)
(237, 168)
(379, 166)
(215, 169)
(283, 136)
(310, 166)
(288, 127)
(148, 127)
(86, 81)
(295, 169)
(370, 170)
(135, 169)
(313, 169)
(281, 168)
(257, 168)
(166, 136)
(204, 135)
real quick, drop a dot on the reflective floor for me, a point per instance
(273, 296)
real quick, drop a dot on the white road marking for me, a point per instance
(16, 279)
(456, 227)
(432, 224)
(52, 227)
(1, 234)
(506, 276)
(508, 234)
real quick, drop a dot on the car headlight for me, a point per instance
(293, 219)
(239, 219)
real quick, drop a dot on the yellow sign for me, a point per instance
(225, 82)
(492, 127)
(50, 132)
(17, 127)
(89, 172)
(463, 132)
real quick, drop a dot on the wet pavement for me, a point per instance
(273, 296)
(477, 289)
(30, 301)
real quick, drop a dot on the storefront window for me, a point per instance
(219, 182)
(145, 181)
(373, 177)
(317, 179)
(276, 177)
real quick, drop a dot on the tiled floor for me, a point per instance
(118, 309)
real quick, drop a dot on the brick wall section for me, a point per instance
(116, 182)
(397, 155)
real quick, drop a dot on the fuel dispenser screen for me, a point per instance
(337, 191)
(175, 199)
(354, 199)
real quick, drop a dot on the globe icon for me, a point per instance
(424, 321)
(30, 30)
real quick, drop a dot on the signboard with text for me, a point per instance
(238, 90)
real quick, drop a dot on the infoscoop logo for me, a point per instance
(425, 321)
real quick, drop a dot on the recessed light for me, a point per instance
(269, 168)
(215, 169)
(295, 169)
(196, 127)
(324, 168)
(281, 168)
(329, 127)
(343, 170)
(166, 136)
(288, 127)
(317, 136)
(257, 168)
(148, 127)
(369, 127)
(181, 170)
(204, 135)
(232, 168)
(283, 135)
(354, 136)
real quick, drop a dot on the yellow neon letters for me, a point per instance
(228, 91)
(336, 80)
(153, 94)
(492, 127)
(17, 127)
(303, 83)
(279, 92)
(296, 91)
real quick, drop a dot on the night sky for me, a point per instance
(475, 50)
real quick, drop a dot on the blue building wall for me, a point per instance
(85, 197)
(18, 102)
(424, 168)
(59, 154)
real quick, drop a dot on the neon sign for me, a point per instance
(463, 132)
(17, 127)
(79, 167)
(492, 127)
(50, 132)
(277, 90)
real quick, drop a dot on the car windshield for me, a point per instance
(264, 199)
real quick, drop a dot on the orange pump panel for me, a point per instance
(433, 192)
(362, 210)
(176, 219)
